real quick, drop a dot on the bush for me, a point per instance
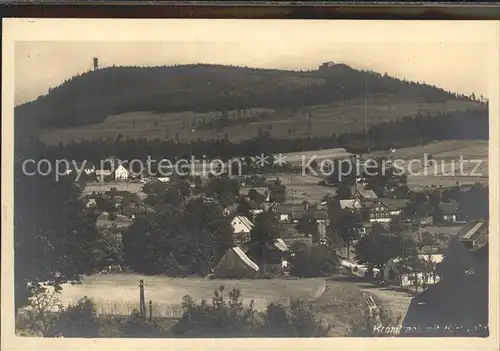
(41, 314)
(135, 326)
(79, 320)
(219, 318)
(230, 318)
(297, 320)
(316, 261)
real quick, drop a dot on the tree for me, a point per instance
(244, 208)
(277, 192)
(254, 195)
(178, 240)
(55, 236)
(184, 187)
(343, 192)
(474, 204)
(456, 261)
(110, 248)
(266, 227)
(347, 227)
(376, 250)
(307, 225)
(105, 203)
(314, 261)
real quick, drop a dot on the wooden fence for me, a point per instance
(147, 309)
(157, 310)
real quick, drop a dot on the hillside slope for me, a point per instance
(91, 97)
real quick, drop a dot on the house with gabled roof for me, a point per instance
(236, 264)
(242, 227)
(360, 192)
(474, 234)
(351, 204)
(292, 212)
(383, 210)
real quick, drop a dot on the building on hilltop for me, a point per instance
(327, 64)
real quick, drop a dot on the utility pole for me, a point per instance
(142, 303)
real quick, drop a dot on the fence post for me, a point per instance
(142, 303)
(150, 310)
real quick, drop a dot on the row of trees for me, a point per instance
(406, 132)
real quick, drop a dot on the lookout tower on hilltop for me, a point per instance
(96, 63)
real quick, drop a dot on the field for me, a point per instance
(120, 186)
(299, 158)
(119, 293)
(326, 119)
(304, 187)
(446, 171)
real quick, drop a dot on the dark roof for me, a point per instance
(472, 230)
(449, 208)
(320, 215)
(394, 204)
(481, 253)
(254, 205)
(288, 230)
(385, 226)
(294, 209)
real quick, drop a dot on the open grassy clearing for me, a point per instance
(447, 170)
(122, 292)
(326, 119)
(303, 158)
(99, 187)
(304, 187)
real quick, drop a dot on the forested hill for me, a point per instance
(90, 97)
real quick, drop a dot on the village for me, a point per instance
(167, 192)
(429, 220)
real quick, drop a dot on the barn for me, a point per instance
(236, 264)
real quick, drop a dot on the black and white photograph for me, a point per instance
(249, 179)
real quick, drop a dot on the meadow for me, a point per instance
(326, 119)
(119, 293)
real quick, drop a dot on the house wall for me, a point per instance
(241, 238)
(450, 218)
(381, 220)
(284, 218)
(407, 279)
(121, 174)
(239, 227)
(272, 268)
(237, 273)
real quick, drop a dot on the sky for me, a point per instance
(446, 56)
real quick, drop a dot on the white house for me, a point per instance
(91, 203)
(241, 224)
(352, 204)
(121, 173)
(242, 227)
(395, 272)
